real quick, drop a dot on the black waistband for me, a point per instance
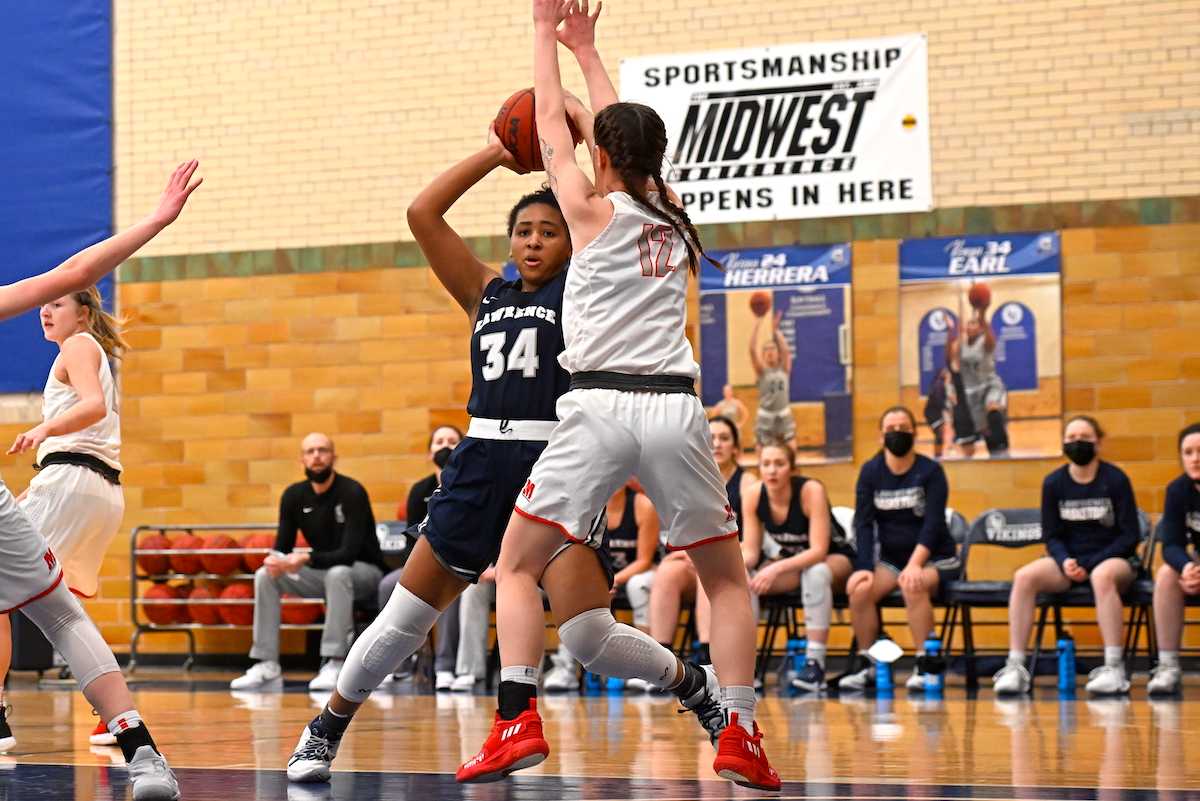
(106, 471)
(663, 384)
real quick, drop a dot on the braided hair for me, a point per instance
(635, 139)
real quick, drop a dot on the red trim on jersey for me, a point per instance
(40, 595)
(79, 594)
(561, 528)
(690, 546)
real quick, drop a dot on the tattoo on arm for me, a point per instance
(548, 162)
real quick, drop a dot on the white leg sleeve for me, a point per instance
(637, 589)
(396, 634)
(610, 648)
(817, 589)
(73, 634)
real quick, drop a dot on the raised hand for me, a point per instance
(179, 189)
(549, 11)
(506, 157)
(579, 28)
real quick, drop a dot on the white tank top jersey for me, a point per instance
(626, 298)
(101, 439)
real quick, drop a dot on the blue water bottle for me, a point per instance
(1066, 664)
(615, 684)
(935, 680)
(794, 659)
(592, 682)
(883, 677)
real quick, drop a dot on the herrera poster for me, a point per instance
(775, 352)
(793, 131)
(981, 344)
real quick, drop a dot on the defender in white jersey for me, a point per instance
(632, 409)
(30, 577)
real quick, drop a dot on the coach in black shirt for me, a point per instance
(345, 564)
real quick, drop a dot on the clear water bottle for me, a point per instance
(794, 659)
(1066, 664)
(935, 679)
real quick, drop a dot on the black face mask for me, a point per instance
(898, 443)
(318, 476)
(440, 457)
(1080, 451)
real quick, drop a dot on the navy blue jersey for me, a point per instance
(733, 488)
(901, 512)
(515, 345)
(1089, 522)
(622, 541)
(792, 532)
(1181, 521)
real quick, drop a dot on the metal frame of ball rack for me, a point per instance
(136, 602)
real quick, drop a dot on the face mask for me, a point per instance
(442, 456)
(898, 443)
(1080, 451)
(318, 476)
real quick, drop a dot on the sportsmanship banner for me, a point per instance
(980, 321)
(760, 299)
(808, 130)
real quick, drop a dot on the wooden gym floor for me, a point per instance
(406, 744)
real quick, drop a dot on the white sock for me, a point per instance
(816, 650)
(521, 674)
(124, 722)
(1112, 655)
(742, 700)
(1016, 657)
(1169, 659)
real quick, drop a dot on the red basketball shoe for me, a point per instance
(742, 760)
(513, 745)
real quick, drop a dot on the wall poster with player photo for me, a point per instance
(775, 352)
(981, 344)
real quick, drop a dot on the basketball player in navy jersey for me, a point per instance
(515, 339)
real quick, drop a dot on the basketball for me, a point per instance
(979, 296)
(254, 561)
(300, 614)
(237, 614)
(219, 563)
(162, 614)
(186, 563)
(760, 303)
(151, 564)
(207, 614)
(515, 126)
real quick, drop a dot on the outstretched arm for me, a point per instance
(88, 266)
(755, 362)
(578, 33)
(463, 275)
(785, 355)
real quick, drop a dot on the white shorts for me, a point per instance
(773, 427)
(79, 512)
(28, 569)
(603, 437)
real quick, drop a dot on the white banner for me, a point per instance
(829, 129)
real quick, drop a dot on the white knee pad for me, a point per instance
(67, 627)
(610, 648)
(816, 584)
(637, 590)
(396, 634)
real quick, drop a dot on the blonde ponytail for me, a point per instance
(103, 326)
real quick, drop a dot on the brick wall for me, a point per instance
(318, 122)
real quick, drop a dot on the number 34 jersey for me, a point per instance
(626, 300)
(515, 344)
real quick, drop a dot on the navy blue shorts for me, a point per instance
(469, 512)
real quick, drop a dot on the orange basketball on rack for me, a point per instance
(152, 564)
(237, 614)
(186, 563)
(162, 614)
(220, 563)
(300, 614)
(208, 614)
(253, 561)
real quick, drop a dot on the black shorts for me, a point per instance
(469, 512)
(949, 568)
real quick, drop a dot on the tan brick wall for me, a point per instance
(318, 122)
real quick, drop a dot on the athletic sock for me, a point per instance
(816, 652)
(131, 733)
(742, 700)
(518, 686)
(693, 681)
(1016, 657)
(333, 724)
(1113, 655)
(1167, 659)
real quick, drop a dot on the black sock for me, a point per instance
(702, 656)
(132, 739)
(694, 680)
(333, 724)
(515, 697)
